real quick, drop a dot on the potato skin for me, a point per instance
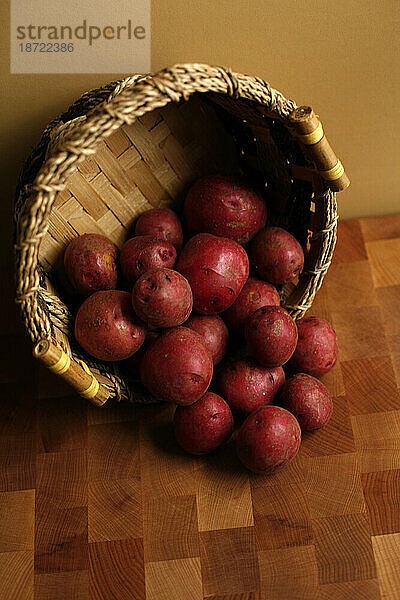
(216, 268)
(163, 298)
(225, 205)
(268, 440)
(308, 400)
(276, 255)
(255, 294)
(271, 335)
(107, 327)
(214, 332)
(317, 349)
(90, 261)
(131, 366)
(246, 385)
(161, 223)
(177, 367)
(204, 425)
(145, 252)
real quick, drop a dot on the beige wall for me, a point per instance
(341, 57)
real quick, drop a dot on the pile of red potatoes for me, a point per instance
(186, 303)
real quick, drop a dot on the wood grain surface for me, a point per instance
(101, 503)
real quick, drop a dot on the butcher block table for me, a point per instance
(101, 503)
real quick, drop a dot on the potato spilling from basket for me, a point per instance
(178, 308)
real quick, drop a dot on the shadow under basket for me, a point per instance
(140, 143)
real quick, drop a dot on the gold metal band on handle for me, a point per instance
(93, 388)
(335, 173)
(62, 365)
(313, 137)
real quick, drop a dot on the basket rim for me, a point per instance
(131, 98)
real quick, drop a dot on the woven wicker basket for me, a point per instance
(139, 143)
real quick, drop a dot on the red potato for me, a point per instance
(268, 440)
(177, 367)
(246, 386)
(317, 349)
(225, 205)
(308, 400)
(214, 332)
(145, 252)
(106, 326)
(204, 425)
(162, 298)
(90, 261)
(131, 365)
(276, 255)
(162, 223)
(254, 295)
(271, 335)
(216, 268)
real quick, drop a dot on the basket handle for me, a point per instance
(77, 374)
(307, 129)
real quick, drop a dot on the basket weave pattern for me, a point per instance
(140, 143)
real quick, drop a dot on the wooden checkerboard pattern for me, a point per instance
(100, 503)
